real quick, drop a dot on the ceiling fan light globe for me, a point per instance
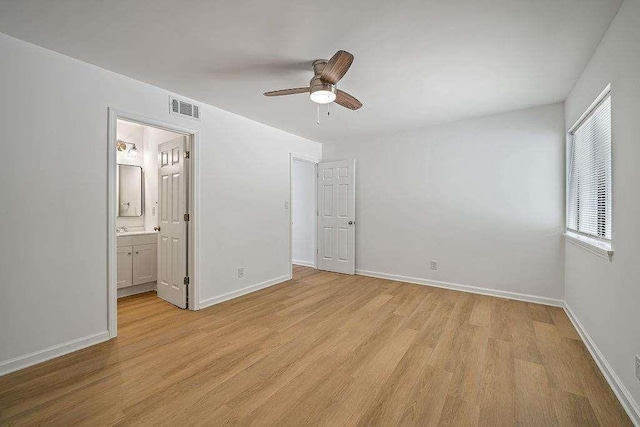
(323, 96)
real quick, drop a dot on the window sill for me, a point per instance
(601, 249)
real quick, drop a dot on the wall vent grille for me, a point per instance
(184, 108)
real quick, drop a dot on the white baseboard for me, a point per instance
(619, 389)
(303, 263)
(247, 290)
(137, 289)
(21, 362)
(465, 288)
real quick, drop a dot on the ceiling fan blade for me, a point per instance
(287, 91)
(337, 67)
(347, 101)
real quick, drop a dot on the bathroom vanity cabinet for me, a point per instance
(137, 259)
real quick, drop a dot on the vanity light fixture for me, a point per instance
(122, 146)
(133, 151)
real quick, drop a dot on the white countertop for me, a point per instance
(135, 233)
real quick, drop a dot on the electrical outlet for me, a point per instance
(286, 204)
(434, 264)
(240, 272)
(638, 366)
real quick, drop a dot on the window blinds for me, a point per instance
(589, 192)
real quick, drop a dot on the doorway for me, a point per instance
(303, 185)
(152, 212)
(324, 240)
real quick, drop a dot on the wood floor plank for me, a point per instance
(500, 326)
(559, 365)
(498, 385)
(424, 310)
(457, 412)
(605, 405)
(539, 313)
(562, 322)
(323, 349)
(481, 313)
(525, 341)
(467, 357)
(573, 410)
(409, 300)
(534, 401)
(369, 378)
(414, 394)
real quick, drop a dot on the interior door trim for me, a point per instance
(193, 207)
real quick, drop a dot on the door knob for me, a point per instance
(350, 222)
(156, 228)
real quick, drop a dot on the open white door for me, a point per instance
(172, 245)
(336, 216)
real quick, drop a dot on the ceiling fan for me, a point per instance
(322, 88)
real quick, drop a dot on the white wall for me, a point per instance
(53, 254)
(304, 212)
(484, 197)
(605, 296)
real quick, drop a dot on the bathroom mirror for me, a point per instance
(130, 190)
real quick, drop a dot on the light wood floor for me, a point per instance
(324, 349)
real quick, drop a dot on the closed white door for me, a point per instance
(125, 266)
(145, 258)
(336, 216)
(172, 247)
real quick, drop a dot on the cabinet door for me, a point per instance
(144, 263)
(125, 266)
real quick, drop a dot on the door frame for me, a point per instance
(303, 158)
(193, 203)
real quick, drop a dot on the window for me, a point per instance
(589, 174)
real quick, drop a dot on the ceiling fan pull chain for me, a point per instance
(328, 113)
(318, 116)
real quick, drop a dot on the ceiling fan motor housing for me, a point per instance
(318, 66)
(321, 92)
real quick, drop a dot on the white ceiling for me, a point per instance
(128, 131)
(417, 62)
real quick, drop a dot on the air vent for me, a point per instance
(184, 108)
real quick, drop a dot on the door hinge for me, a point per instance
(186, 280)
(186, 217)
(187, 154)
